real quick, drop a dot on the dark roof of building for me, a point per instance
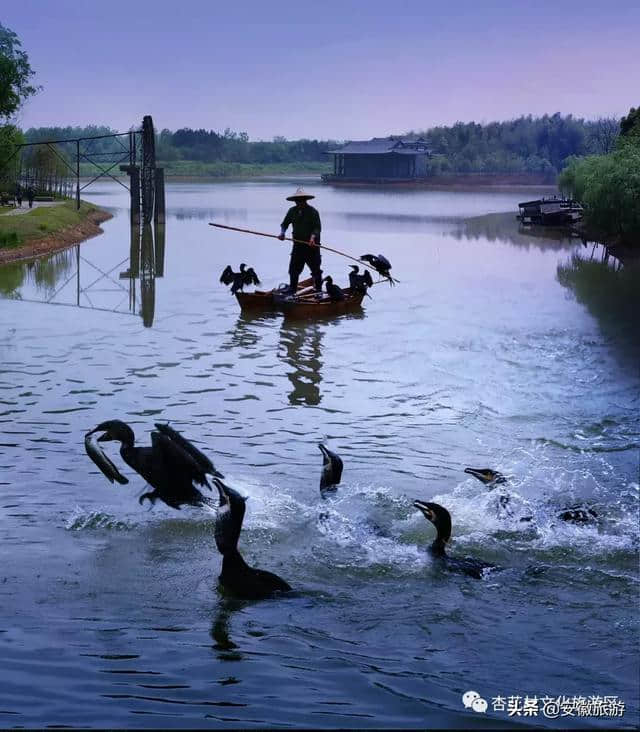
(383, 146)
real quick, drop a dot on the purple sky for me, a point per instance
(344, 70)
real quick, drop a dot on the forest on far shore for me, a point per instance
(536, 145)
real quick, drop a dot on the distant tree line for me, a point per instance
(528, 144)
(208, 146)
(539, 145)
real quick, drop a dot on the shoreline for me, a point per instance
(57, 241)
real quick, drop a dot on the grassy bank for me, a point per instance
(195, 169)
(47, 229)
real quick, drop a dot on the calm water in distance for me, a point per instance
(109, 612)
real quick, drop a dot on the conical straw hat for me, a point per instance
(300, 193)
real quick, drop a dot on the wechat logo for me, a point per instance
(473, 700)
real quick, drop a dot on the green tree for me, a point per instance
(609, 188)
(10, 136)
(630, 125)
(15, 74)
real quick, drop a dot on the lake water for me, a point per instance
(109, 611)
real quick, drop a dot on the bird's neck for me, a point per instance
(438, 546)
(232, 561)
(125, 448)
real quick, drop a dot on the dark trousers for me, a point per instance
(302, 254)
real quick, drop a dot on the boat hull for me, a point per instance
(305, 305)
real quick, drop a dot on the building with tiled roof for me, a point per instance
(380, 159)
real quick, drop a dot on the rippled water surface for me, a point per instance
(109, 612)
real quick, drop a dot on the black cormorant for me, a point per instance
(578, 514)
(490, 478)
(331, 470)
(359, 282)
(171, 465)
(441, 519)
(381, 265)
(237, 577)
(238, 280)
(335, 293)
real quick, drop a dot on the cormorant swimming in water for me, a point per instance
(381, 265)
(335, 293)
(578, 514)
(238, 280)
(492, 478)
(359, 282)
(331, 470)
(441, 519)
(171, 465)
(237, 577)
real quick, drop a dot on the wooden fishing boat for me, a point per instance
(550, 211)
(304, 305)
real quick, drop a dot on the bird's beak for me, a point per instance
(428, 513)
(476, 473)
(105, 438)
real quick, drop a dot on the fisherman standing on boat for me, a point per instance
(306, 228)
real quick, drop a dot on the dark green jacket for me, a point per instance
(305, 221)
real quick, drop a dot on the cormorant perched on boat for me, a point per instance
(331, 470)
(359, 282)
(237, 577)
(441, 519)
(578, 514)
(238, 280)
(381, 265)
(335, 293)
(171, 465)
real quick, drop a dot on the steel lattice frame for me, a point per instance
(147, 178)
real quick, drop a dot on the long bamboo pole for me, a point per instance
(295, 241)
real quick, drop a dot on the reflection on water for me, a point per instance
(300, 349)
(505, 227)
(147, 276)
(160, 232)
(228, 215)
(44, 273)
(611, 295)
(53, 280)
(247, 332)
(224, 647)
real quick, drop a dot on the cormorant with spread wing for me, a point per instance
(359, 282)
(381, 265)
(172, 465)
(238, 280)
